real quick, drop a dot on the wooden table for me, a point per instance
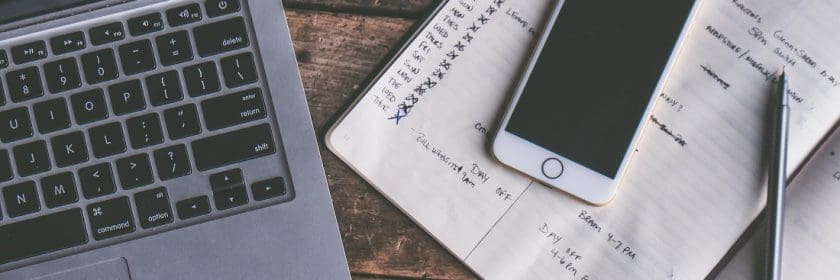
(340, 45)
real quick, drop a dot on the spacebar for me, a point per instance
(42, 235)
(233, 147)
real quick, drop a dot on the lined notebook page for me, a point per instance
(422, 139)
(811, 246)
(420, 135)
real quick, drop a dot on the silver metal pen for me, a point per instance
(776, 183)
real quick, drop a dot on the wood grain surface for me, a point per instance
(340, 45)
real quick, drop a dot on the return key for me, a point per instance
(233, 109)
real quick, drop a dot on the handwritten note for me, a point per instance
(420, 135)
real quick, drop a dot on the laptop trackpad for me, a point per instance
(116, 269)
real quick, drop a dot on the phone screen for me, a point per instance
(595, 76)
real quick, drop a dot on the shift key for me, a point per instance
(233, 147)
(234, 108)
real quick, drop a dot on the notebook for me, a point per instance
(811, 248)
(420, 132)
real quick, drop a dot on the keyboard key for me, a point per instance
(97, 180)
(110, 218)
(89, 106)
(127, 97)
(107, 140)
(230, 198)
(100, 66)
(174, 48)
(68, 43)
(202, 79)
(4, 59)
(239, 145)
(51, 115)
(59, 189)
(226, 180)
(193, 207)
(2, 95)
(42, 235)
(21, 199)
(222, 36)
(164, 88)
(145, 24)
(69, 149)
(239, 70)
(29, 52)
(153, 208)
(15, 125)
(135, 171)
(104, 34)
(144, 131)
(182, 122)
(62, 75)
(221, 7)
(32, 158)
(232, 109)
(270, 188)
(172, 162)
(24, 84)
(183, 15)
(5, 166)
(137, 57)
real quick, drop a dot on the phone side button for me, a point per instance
(552, 168)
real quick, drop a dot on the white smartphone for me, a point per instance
(586, 94)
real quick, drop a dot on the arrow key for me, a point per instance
(230, 198)
(270, 188)
(193, 207)
(226, 180)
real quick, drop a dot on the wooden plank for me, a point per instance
(337, 54)
(401, 8)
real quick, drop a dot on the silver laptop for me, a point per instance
(158, 140)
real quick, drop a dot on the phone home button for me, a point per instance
(552, 168)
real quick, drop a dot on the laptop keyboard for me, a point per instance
(132, 125)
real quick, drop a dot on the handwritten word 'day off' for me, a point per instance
(567, 259)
